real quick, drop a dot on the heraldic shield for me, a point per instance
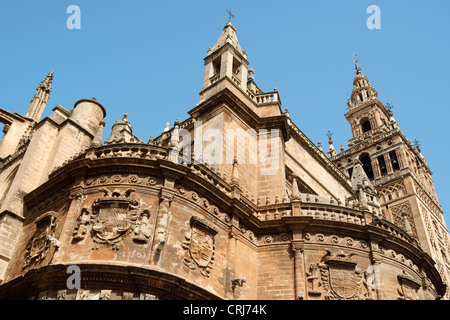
(341, 279)
(114, 219)
(200, 246)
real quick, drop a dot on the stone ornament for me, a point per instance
(42, 240)
(408, 288)
(336, 277)
(200, 246)
(112, 218)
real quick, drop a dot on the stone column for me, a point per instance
(162, 220)
(376, 168)
(299, 270)
(401, 158)
(387, 160)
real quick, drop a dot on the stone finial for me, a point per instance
(234, 173)
(319, 145)
(167, 127)
(295, 191)
(331, 151)
(175, 134)
(251, 74)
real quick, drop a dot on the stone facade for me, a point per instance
(235, 202)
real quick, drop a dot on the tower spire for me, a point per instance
(40, 99)
(362, 91)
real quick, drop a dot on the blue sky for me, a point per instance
(145, 58)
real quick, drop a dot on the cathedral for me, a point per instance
(234, 202)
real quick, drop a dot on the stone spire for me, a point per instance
(40, 99)
(228, 36)
(362, 91)
(225, 59)
(122, 131)
(363, 187)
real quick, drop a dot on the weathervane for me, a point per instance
(357, 67)
(230, 15)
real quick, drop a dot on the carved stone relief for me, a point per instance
(112, 218)
(398, 218)
(199, 246)
(42, 239)
(336, 277)
(408, 288)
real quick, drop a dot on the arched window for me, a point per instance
(365, 125)
(367, 165)
(394, 160)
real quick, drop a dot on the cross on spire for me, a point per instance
(329, 134)
(230, 15)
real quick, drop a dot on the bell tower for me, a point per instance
(226, 59)
(397, 169)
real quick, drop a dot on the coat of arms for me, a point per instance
(112, 218)
(339, 277)
(41, 242)
(200, 246)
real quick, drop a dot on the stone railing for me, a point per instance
(321, 210)
(268, 97)
(214, 78)
(395, 231)
(134, 150)
(236, 80)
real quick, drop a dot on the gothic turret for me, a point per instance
(226, 59)
(40, 99)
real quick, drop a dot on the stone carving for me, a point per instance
(61, 294)
(313, 277)
(204, 203)
(408, 288)
(334, 239)
(83, 224)
(143, 230)
(112, 218)
(42, 240)
(114, 215)
(134, 179)
(200, 246)
(399, 218)
(88, 295)
(340, 279)
(127, 296)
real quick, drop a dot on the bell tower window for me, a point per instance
(394, 160)
(365, 125)
(382, 163)
(216, 66)
(367, 165)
